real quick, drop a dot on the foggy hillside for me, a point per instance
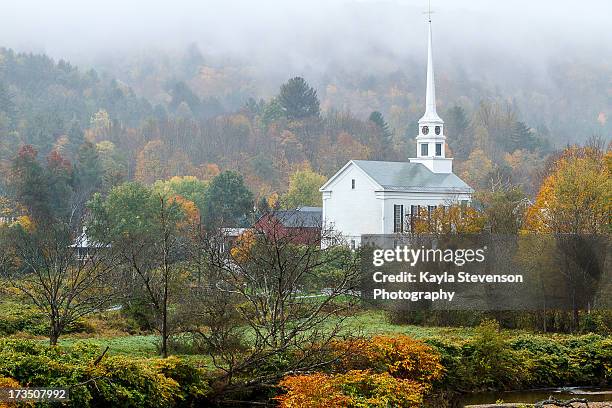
(194, 88)
(551, 58)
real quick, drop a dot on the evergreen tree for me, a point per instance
(29, 183)
(272, 111)
(59, 178)
(228, 201)
(88, 169)
(263, 167)
(298, 100)
(7, 106)
(192, 60)
(379, 121)
(263, 207)
(521, 137)
(461, 142)
(182, 93)
(160, 113)
(76, 137)
(387, 134)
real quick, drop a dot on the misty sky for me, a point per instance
(309, 33)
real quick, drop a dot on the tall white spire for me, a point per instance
(431, 142)
(430, 97)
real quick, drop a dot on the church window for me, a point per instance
(430, 213)
(414, 212)
(425, 130)
(424, 149)
(398, 217)
(438, 130)
(438, 149)
(353, 184)
(430, 210)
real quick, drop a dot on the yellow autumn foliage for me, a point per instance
(576, 197)
(452, 219)
(241, 251)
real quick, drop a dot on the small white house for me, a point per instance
(377, 197)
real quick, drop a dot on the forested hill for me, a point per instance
(565, 96)
(192, 126)
(41, 100)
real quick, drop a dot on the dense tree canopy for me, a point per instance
(110, 135)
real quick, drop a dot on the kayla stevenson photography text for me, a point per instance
(484, 272)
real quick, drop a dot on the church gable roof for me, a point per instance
(411, 177)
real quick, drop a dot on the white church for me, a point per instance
(377, 197)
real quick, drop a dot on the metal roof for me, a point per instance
(301, 217)
(411, 177)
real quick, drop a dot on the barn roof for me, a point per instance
(301, 217)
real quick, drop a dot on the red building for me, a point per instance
(300, 226)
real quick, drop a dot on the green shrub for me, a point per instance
(596, 322)
(485, 362)
(493, 360)
(554, 321)
(116, 381)
(18, 317)
(193, 384)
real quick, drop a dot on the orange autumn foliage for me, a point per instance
(7, 382)
(313, 390)
(189, 209)
(378, 372)
(209, 171)
(401, 356)
(356, 388)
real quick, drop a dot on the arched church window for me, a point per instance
(425, 130)
(438, 130)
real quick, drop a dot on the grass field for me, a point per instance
(513, 359)
(365, 323)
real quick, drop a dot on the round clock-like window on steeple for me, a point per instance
(425, 130)
(438, 130)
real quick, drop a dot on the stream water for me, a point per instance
(593, 394)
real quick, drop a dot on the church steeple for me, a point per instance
(431, 142)
(430, 97)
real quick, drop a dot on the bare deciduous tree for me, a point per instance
(61, 272)
(150, 260)
(275, 297)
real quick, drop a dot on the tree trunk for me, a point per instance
(54, 332)
(576, 319)
(164, 347)
(164, 334)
